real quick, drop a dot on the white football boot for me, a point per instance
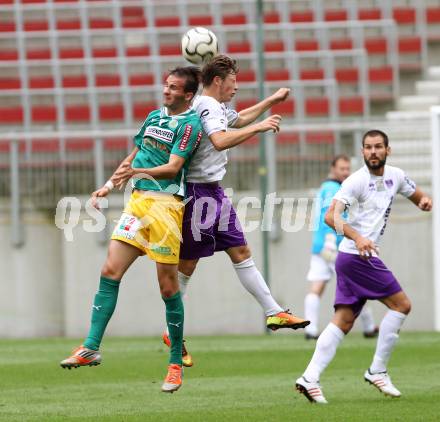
(382, 382)
(312, 390)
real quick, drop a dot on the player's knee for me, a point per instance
(109, 270)
(239, 254)
(405, 307)
(168, 291)
(187, 266)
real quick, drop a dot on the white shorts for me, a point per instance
(320, 269)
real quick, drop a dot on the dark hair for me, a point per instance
(342, 157)
(221, 66)
(376, 132)
(192, 76)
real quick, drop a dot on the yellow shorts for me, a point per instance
(152, 222)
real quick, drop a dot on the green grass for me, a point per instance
(235, 378)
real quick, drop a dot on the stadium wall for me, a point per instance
(47, 286)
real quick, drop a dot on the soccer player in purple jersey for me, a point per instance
(368, 195)
(207, 200)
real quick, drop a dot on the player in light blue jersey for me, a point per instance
(324, 251)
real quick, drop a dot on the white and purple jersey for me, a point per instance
(368, 199)
(208, 164)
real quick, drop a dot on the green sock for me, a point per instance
(103, 307)
(175, 316)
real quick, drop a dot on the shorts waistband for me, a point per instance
(205, 184)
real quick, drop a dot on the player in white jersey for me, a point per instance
(368, 195)
(210, 223)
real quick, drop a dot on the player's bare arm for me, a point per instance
(225, 140)
(250, 114)
(335, 220)
(421, 200)
(165, 171)
(104, 190)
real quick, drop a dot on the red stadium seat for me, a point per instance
(68, 24)
(404, 15)
(311, 74)
(7, 26)
(116, 144)
(44, 113)
(286, 108)
(433, 15)
(36, 25)
(200, 20)
(247, 75)
(273, 46)
(287, 138)
(41, 82)
(38, 54)
(77, 113)
(306, 45)
(271, 17)
(341, 44)
(322, 137)
(8, 55)
(236, 19)
(71, 53)
(376, 45)
(382, 75)
(134, 22)
(347, 75)
(169, 50)
(239, 47)
(111, 112)
(277, 75)
(77, 145)
(132, 11)
(100, 23)
(141, 110)
(78, 81)
(11, 115)
(44, 145)
(317, 106)
(139, 51)
(332, 15)
(167, 21)
(242, 104)
(351, 105)
(6, 1)
(107, 80)
(101, 52)
(410, 44)
(10, 83)
(141, 79)
(369, 14)
(303, 16)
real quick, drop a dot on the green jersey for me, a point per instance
(160, 136)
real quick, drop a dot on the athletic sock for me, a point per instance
(388, 335)
(103, 307)
(175, 316)
(325, 350)
(311, 313)
(254, 283)
(367, 320)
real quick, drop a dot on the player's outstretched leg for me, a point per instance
(103, 307)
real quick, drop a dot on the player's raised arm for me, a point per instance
(250, 114)
(421, 200)
(335, 220)
(224, 140)
(114, 180)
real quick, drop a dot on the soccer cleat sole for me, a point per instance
(275, 327)
(385, 394)
(77, 365)
(171, 391)
(303, 390)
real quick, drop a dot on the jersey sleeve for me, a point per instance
(188, 138)
(231, 116)
(211, 115)
(406, 186)
(349, 192)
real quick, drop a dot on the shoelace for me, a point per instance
(173, 375)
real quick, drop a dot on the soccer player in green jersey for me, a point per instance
(152, 220)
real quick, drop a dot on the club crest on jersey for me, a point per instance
(165, 135)
(173, 123)
(185, 137)
(389, 183)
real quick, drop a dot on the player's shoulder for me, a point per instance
(360, 175)
(204, 104)
(392, 171)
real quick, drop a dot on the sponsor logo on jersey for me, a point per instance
(185, 137)
(199, 137)
(165, 135)
(204, 113)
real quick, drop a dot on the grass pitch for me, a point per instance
(235, 378)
